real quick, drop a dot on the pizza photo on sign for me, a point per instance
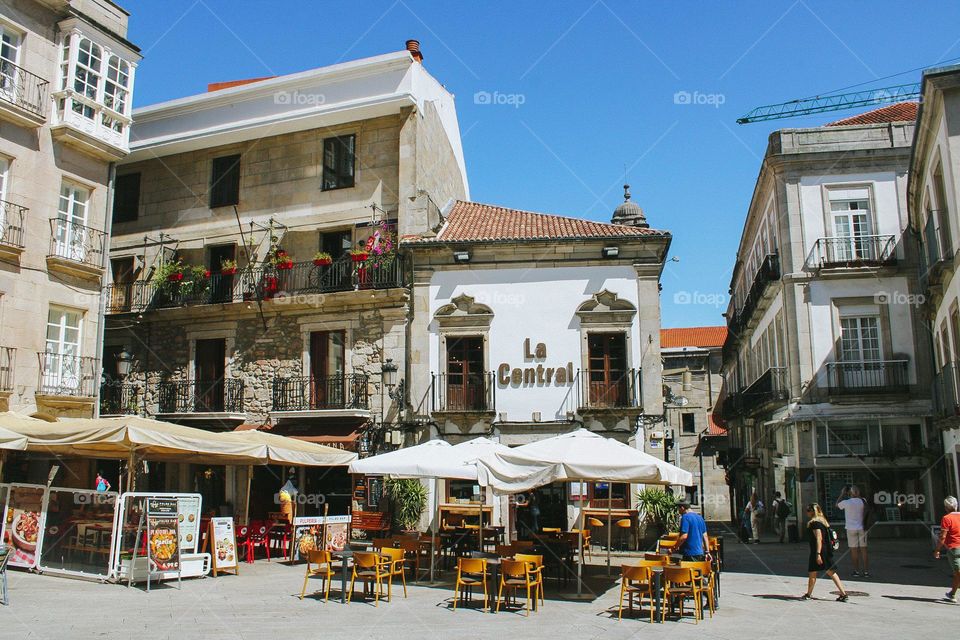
(163, 545)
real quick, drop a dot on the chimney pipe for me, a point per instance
(413, 46)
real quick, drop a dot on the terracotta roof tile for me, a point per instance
(477, 222)
(693, 337)
(899, 112)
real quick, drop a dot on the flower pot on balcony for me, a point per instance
(360, 256)
(323, 262)
(229, 271)
(285, 266)
(175, 277)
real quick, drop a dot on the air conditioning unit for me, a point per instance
(536, 416)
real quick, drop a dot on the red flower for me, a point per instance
(206, 274)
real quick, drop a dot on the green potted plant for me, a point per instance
(360, 254)
(658, 515)
(228, 267)
(322, 259)
(408, 499)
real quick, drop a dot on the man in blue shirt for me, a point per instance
(693, 543)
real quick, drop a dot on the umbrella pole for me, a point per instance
(436, 531)
(246, 502)
(580, 551)
(609, 521)
(131, 471)
(483, 497)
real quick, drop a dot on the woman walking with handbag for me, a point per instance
(821, 552)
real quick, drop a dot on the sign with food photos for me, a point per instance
(223, 550)
(188, 515)
(163, 534)
(23, 523)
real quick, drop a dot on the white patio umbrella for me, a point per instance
(435, 459)
(580, 456)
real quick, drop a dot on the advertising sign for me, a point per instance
(23, 524)
(223, 552)
(309, 531)
(163, 549)
(188, 515)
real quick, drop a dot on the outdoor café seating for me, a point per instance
(703, 572)
(394, 559)
(516, 575)
(636, 582)
(319, 563)
(372, 571)
(535, 566)
(681, 583)
(471, 572)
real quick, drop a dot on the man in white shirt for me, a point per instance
(854, 507)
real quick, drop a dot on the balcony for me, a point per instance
(946, 393)
(731, 407)
(331, 396)
(867, 378)
(24, 96)
(257, 283)
(11, 230)
(8, 362)
(75, 249)
(68, 376)
(852, 252)
(200, 397)
(90, 127)
(770, 388)
(768, 272)
(119, 399)
(599, 390)
(459, 393)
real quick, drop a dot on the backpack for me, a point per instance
(783, 509)
(833, 538)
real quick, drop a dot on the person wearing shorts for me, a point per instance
(950, 540)
(854, 507)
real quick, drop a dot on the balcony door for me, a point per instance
(122, 276)
(221, 286)
(327, 361)
(852, 227)
(465, 374)
(607, 361)
(9, 57)
(62, 372)
(209, 368)
(4, 169)
(71, 226)
(860, 353)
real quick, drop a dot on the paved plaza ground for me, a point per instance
(759, 600)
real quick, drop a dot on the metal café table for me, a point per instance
(346, 562)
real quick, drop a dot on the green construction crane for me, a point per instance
(838, 102)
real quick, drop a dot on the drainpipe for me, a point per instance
(105, 263)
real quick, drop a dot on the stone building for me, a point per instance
(826, 366)
(933, 201)
(66, 81)
(693, 439)
(239, 297)
(529, 325)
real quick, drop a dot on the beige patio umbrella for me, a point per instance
(10, 441)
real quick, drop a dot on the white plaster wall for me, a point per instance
(539, 304)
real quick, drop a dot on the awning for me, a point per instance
(432, 459)
(286, 450)
(340, 434)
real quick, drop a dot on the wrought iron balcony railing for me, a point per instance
(76, 242)
(876, 376)
(946, 391)
(68, 375)
(345, 391)
(24, 89)
(8, 361)
(455, 392)
(11, 223)
(768, 272)
(770, 387)
(200, 396)
(119, 398)
(853, 251)
(608, 390)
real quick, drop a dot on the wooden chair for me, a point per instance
(470, 573)
(682, 583)
(625, 531)
(667, 546)
(505, 550)
(657, 557)
(651, 563)
(394, 560)
(536, 568)
(703, 572)
(413, 552)
(382, 543)
(523, 545)
(371, 570)
(515, 575)
(551, 529)
(319, 563)
(594, 523)
(635, 581)
(571, 537)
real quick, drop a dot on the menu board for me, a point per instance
(163, 549)
(224, 545)
(23, 524)
(308, 531)
(188, 515)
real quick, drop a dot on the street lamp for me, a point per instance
(124, 363)
(389, 372)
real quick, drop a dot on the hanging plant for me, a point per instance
(280, 259)
(382, 245)
(322, 259)
(359, 255)
(228, 267)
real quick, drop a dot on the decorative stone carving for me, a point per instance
(464, 311)
(606, 308)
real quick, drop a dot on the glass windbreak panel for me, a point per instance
(79, 532)
(464, 491)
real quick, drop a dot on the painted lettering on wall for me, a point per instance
(530, 375)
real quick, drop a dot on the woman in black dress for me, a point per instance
(821, 552)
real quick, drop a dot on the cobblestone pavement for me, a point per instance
(759, 600)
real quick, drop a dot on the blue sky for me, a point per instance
(586, 89)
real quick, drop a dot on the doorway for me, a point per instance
(608, 369)
(327, 360)
(221, 285)
(209, 367)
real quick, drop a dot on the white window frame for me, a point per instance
(71, 228)
(4, 181)
(62, 360)
(8, 77)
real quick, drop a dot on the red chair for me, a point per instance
(244, 543)
(280, 535)
(259, 538)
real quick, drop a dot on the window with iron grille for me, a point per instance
(225, 181)
(339, 156)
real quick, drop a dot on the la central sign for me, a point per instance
(534, 376)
